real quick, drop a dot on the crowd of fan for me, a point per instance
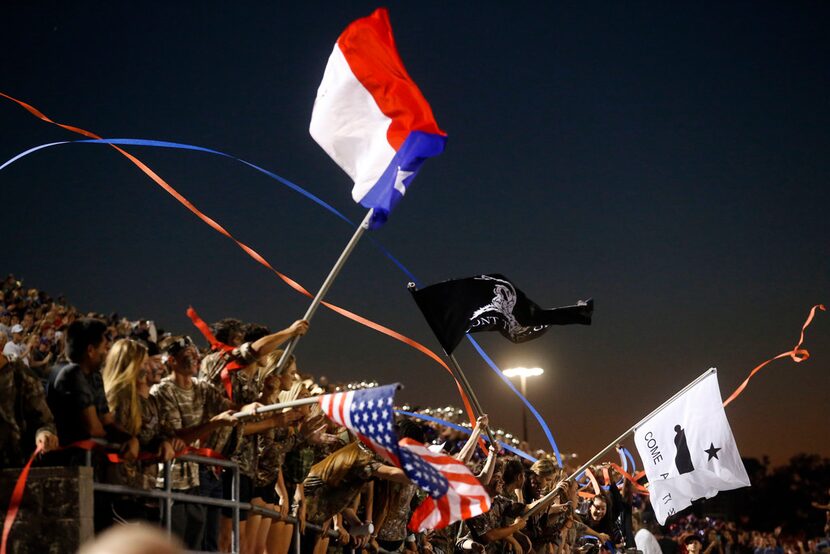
(68, 377)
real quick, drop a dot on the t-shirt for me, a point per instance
(646, 542)
(24, 413)
(181, 408)
(70, 392)
(668, 545)
(503, 511)
(16, 352)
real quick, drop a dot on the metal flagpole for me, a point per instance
(292, 404)
(542, 502)
(324, 288)
(468, 389)
(275, 407)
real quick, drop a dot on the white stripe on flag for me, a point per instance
(347, 409)
(325, 404)
(455, 504)
(348, 124)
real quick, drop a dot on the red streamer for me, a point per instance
(215, 344)
(253, 253)
(14, 502)
(797, 354)
(20, 486)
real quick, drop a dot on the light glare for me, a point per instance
(523, 371)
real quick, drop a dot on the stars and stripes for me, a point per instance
(454, 492)
(370, 414)
(464, 497)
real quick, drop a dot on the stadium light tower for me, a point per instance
(524, 373)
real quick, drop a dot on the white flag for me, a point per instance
(688, 450)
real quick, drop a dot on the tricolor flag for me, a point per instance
(454, 492)
(688, 450)
(371, 118)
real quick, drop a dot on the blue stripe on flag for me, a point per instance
(400, 173)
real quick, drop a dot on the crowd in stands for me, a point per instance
(68, 377)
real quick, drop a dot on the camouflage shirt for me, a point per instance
(212, 365)
(181, 408)
(23, 413)
(272, 446)
(501, 514)
(244, 390)
(325, 499)
(139, 474)
(394, 526)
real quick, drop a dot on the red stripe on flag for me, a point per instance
(341, 407)
(369, 48)
(466, 507)
(444, 508)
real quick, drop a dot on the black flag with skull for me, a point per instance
(490, 303)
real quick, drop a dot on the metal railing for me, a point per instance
(169, 496)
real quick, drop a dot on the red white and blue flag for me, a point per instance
(371, 118)
(454, 492)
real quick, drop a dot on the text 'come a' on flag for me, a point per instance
(688, 450)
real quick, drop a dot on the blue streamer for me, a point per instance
(527, 403)
(633, 463)
(466, 431)
(316, 200)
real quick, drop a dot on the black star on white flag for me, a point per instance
(678, 449)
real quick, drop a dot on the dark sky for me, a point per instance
(669, 160)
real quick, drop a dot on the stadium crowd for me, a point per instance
(68, 377)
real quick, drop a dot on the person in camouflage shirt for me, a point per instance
(126, 383)
(498, 529)
(190, 409)
(243, 387)
(272, 447)
(26, 418)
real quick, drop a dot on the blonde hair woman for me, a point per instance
(124, 362)
(135, 412)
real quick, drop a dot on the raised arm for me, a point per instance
(469, 447)
(489, 466)
(269, 343)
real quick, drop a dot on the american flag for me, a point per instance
(454, 492)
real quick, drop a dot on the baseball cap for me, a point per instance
(17, 328)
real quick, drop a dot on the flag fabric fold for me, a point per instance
(688, 450)
(490, 303)
(453, 492)
(371, 118)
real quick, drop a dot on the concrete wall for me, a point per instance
(55, 515)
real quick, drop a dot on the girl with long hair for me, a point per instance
(136, 416)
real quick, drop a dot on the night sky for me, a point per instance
(670, 161)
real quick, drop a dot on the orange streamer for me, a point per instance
(797, 354)
(253, 253)
(632, 478)
(593, 479)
